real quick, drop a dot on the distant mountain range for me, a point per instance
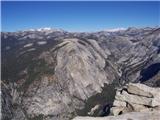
(49, 74)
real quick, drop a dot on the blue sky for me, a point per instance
(79, 16)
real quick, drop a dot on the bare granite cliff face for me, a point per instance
(78, 73)
(51, 74)
(6, 102)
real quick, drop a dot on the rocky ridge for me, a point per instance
(50, 74)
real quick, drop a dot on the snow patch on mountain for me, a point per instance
(44, 29)
(115, 29)
(28, 45)
(41, 42)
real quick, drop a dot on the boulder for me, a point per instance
(137, 98)
(119, 103)
(130, 98)
(142, 90)
(120, 110)
(134, 89)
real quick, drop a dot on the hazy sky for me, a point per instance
(79, 16)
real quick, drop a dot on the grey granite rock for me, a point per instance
(136, 97)
(133, 106)
(52, 80)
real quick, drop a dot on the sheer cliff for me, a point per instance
(50, 74)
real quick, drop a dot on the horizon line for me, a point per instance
(56, 28)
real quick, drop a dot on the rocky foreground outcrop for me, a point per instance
(134, 102)
(136, 97)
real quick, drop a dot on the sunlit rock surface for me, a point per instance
(52, 73)
(133, 102)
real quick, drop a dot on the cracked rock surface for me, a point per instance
(50, 74)
(135, 102)
(137, 98)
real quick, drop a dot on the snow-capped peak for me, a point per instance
(115, 29)
(44, 29)
(40, 29)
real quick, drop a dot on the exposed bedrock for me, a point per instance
(79, 73)
(51, 74)
(133, 102)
